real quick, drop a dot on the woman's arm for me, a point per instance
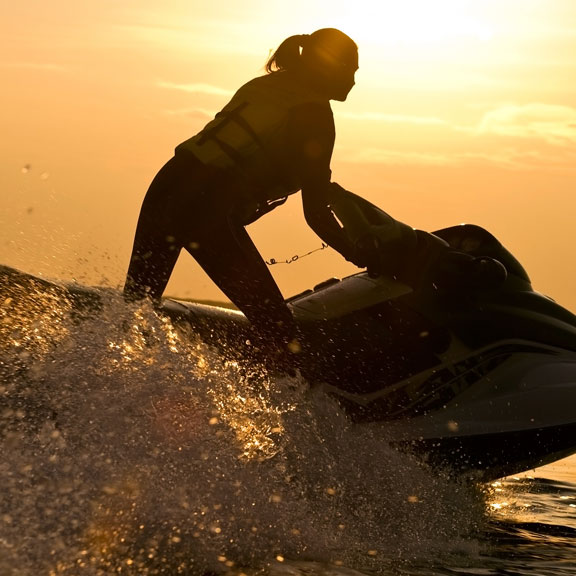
(311, 136)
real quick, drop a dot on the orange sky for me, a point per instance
(464, 111)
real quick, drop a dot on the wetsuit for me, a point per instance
(203, 198)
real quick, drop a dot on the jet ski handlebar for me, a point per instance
(457, 257)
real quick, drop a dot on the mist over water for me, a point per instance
(130, 447)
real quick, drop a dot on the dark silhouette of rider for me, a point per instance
(274, 138)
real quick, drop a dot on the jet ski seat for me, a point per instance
(477, 241)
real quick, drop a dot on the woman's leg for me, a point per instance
(227, 254)
(154, 256)
(156, 248)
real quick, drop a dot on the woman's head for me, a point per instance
(328, 56)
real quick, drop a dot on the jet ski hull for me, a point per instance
(479, 383)
(486, 457)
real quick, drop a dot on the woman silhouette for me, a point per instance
(274, 138)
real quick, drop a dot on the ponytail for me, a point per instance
(288, 54)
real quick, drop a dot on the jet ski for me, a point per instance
(474, 378)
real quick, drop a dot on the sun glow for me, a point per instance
(418, 27)
(417, 23)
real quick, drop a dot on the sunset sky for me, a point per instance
(463, 111)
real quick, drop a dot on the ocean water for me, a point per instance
(129, 447)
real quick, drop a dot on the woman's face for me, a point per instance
(342, 79)
(335, 77)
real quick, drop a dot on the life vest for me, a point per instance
(247, 138)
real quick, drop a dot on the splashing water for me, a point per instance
(130, 447)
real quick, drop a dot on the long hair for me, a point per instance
(325, 44)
